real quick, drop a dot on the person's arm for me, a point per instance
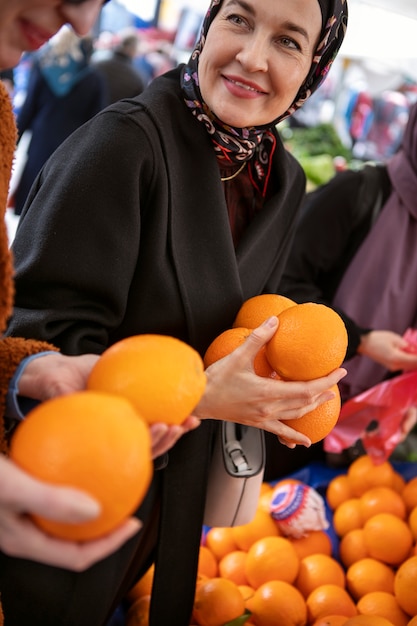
(322, 248)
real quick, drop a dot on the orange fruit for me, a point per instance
(381, 500)
(331, 620)
(327, 600)
(316, 570)
(262, 525)
(369, 575)
(338, 490)
(231, 339)
(277, 602)
(217, 601)
(368, 620)
(162, 376)
(409, 494)
(247, 591)
(412, 522)
(405, 586)
(143, 587)
(220, 541)
(232, 566)
(387, 538)
(363, 474)
(398, 482)
(138, 613)
(352, 547)
(257, 309)
(347, 516)
(383, 604)
(310, 342)
(317, 424)
(413, 621)
(92, 441)
(314, 542)
(207, 563)
(271, 558)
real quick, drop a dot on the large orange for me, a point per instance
(316, 570)
(162, 376)
(257, 309)
(409, 494)
(207, 563)
(217, 601)
(383, 604)
(95, 442)
(363, 474)
(228, 341)
(318, 423)
(277, 603)
(368, 575)
(412, 522)
(381, 500)
(271, 558)
(232, 566)
(313, 542)
(221, 541)
(405, 585)
(327, 600)
(347, 516)
(388, 538)
(262, 525)
(352, 547)
(338, 490)
(310, 342)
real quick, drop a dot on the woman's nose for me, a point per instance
(253, 54)
(82, 17)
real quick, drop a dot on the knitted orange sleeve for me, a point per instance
(12, 351)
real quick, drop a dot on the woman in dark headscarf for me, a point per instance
(163, 214)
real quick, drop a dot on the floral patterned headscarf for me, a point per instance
(235, 145)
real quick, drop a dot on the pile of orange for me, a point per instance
(284, 581)
(310, 342)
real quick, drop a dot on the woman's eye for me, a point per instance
(289, 43)
(236, 19)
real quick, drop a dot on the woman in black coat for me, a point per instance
(163, 214)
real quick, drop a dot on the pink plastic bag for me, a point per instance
(385, 405)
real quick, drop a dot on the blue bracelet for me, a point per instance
(18, 406)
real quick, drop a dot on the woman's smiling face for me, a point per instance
(256, 56)
(25, 25)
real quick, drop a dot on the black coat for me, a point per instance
(52, 118)
(127, 232)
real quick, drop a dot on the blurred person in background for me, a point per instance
(64, 91)
(123, 80)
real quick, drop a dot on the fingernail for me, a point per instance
(271, 322)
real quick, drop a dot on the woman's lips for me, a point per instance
(242, 88)
(34, 35)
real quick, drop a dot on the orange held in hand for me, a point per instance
(231, 339)
(310, 342)
(318, 423)
(162, 376)
(91, 441)
(257, 309)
